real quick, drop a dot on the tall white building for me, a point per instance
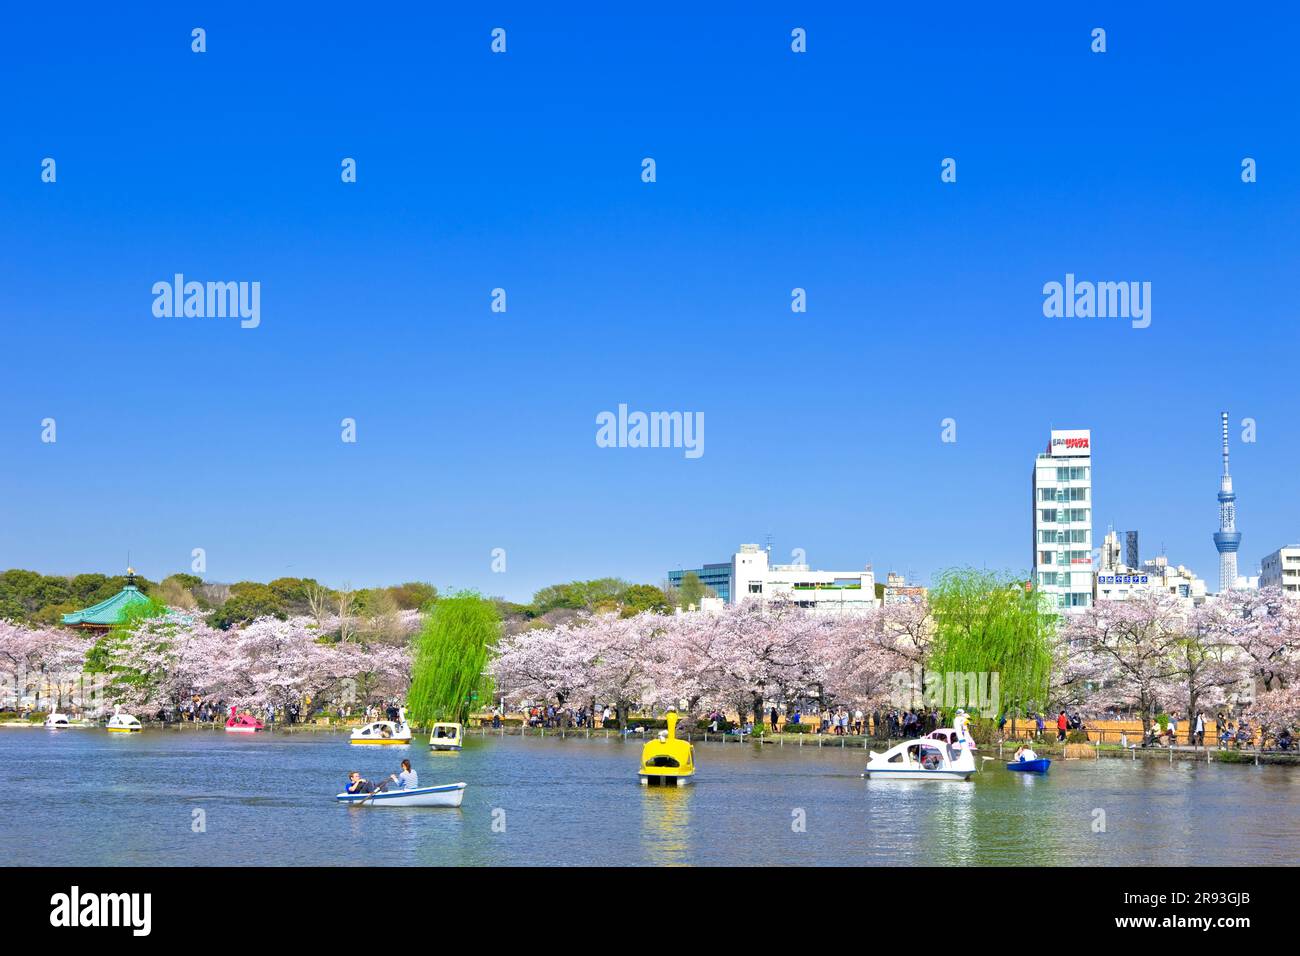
(1063, 569)
(833, 592)
(1281, 569)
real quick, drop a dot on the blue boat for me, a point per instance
(1031, 766)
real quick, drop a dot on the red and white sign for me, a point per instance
(1072, 442)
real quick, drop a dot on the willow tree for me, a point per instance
(449, 671)
(990, 628)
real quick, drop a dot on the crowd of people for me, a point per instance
(552, 716)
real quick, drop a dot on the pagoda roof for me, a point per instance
(110, 612)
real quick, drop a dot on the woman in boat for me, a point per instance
(1024, 752)
(408, 778)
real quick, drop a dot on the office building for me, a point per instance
(1281, 569)
(1062, 522)
(714, 576)
(830, 592)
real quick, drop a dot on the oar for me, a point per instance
(372, 794)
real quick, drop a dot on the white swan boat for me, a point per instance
(930, 758)
(382, 732)
(447, 795)
(124, 724)
(58, 722)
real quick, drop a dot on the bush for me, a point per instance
(1077, 737)
(984, 730)
(798, 728)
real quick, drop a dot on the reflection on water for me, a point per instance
(91, 798)
(665, 822)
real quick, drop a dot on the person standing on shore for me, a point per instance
(1062, 722)
(1173, 729)
(1200, 729)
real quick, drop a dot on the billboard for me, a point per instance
(1077, 441)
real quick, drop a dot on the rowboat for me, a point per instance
(123, 724)
(447, 795)
(1030, 766)
(931, 758)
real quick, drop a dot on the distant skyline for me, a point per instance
(477, 430)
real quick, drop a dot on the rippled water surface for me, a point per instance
(86, 797)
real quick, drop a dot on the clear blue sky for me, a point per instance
(477, 430)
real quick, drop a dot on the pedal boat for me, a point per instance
(382, 732)
(446, 737)
(666, 760)
(123, 724)
(1030, 766)
(447, 795)
(57, 722)
(926, 759)
(244, 724)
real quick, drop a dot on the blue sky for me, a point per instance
(476, 430)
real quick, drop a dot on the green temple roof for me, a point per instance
(110, 612)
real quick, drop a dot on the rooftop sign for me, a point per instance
(1071, 442)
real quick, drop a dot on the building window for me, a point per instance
(755, 587)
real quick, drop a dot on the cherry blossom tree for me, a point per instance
(1205, 665)
(1276, 710)
(1129, 647)
(1263, 628)
(44, 663)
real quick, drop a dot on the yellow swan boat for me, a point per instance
(667, 760)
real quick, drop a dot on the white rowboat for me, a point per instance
(447, 795)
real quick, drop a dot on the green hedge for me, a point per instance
(798, 728)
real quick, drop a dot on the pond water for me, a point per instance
(89, 798)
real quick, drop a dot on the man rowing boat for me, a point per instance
(359, 784)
